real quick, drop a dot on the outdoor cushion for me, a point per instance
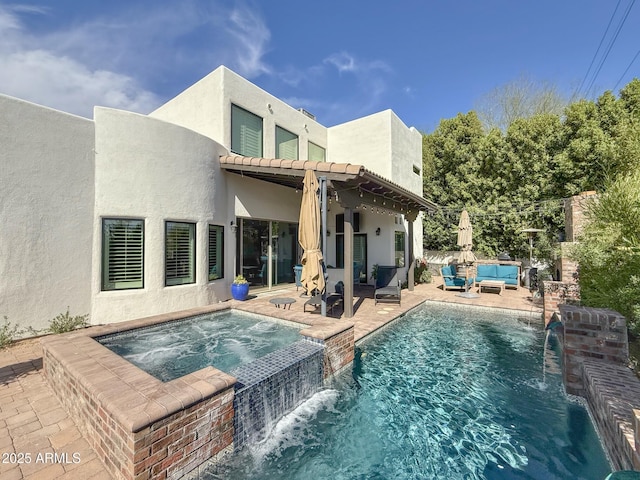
(487, 271)
(446, 270)
(507, 272)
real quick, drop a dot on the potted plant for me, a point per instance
(240, 288)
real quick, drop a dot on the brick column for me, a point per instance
(338, 340)
(556, 294)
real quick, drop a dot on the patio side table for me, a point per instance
(285, 302)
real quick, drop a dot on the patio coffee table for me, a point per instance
(284, 301)
(497, 284)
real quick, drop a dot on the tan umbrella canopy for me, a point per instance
(312, 277)
(465, 239)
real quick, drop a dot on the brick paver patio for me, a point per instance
(38, 439)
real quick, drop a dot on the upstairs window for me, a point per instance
(286, 144)
(216, 252)
(317, 153)
(180, 253)
(246, 132)
(122, 254)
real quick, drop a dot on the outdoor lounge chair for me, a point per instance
(387, 285)
(332, 299)
(451, 279)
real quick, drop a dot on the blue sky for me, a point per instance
(424, 59)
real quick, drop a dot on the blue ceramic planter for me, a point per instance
(239, 291)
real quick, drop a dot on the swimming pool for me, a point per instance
(223, 340)
(440, 394)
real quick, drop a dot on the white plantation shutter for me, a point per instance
(316, 153)
(180, 253)
(122, 254)
(246, 133)
(286, 144)
(216, 252)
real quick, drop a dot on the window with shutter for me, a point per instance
(317, 153)
(246, 132)
(122, 254)
(180, 253)
(216, 252)
(286, 144)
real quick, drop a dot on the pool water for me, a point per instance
(441, 394)
(223, 340)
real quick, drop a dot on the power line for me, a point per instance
(506, 208)
(595, 55)
(611, 43)
(627, 69)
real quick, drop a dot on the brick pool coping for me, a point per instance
(141, 427)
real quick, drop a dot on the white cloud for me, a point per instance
(62, 83)
(123, 60)
(252, 36)
(342, 61)
(32, 71)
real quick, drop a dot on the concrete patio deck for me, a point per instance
(39, 440)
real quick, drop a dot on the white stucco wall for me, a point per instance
(256, 199)
(60, 175)
(46, 213)
(205, 108)
(383, 144)
(150, 169)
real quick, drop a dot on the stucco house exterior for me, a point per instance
(128, 215)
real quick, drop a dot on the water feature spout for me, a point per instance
(553, 325)
(272, 386)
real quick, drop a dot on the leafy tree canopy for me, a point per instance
(517, 176)
(609, 250)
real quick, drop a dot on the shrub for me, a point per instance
(8, 332)
(422, 274)
(239, 280)
(64, 322)
(609, 251)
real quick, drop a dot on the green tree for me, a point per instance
(517, 177)
(609, 250)
(499, 178)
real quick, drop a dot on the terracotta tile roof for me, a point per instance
(299, 165)
(343, 177)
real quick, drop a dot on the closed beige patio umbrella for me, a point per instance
(312, 277)
(465, 242)
(465, 239)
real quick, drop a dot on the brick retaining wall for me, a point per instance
(595, 353)
(612, 393)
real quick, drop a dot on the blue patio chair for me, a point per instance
(387, 285)
(452, 280)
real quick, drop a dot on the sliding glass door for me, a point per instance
(268, 250)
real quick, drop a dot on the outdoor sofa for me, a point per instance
(507, 273)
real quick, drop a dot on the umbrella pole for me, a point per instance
(323, 213)
(466, 279)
